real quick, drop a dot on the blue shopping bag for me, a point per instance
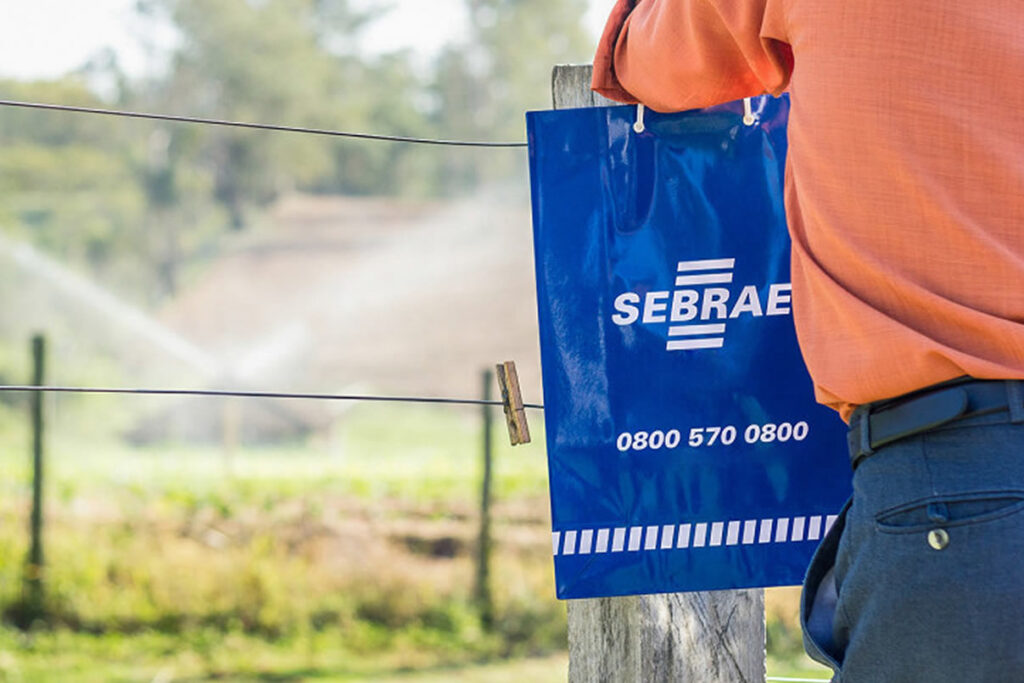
(685, 448)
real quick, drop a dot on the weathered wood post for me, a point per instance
(706, 637)
(484, 598)
(34, 597)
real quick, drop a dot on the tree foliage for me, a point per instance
(145, 201)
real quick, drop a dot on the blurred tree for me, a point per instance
(253, 61)
(484, 86)
(66, 182)
(517, 43)
(144, 203)
(294, 62)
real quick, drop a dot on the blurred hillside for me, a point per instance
(175, 254)
(144, 205)
(412, 298)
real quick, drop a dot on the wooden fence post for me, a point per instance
(706, 637)
(34, 597)
(484, 598)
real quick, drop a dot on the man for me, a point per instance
(905, 203)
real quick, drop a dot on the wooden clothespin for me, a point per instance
(512, 400)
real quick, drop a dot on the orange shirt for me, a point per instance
(905, 176)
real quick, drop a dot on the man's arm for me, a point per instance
(683, 54)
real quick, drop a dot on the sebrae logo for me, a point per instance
(697, 311)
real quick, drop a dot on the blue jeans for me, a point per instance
(921, 579)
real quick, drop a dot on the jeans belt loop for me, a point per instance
(865, 435)
(1015, 399)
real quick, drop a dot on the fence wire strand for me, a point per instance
(256, 394)
(255, 126)
(269, 127)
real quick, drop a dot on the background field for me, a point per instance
(345, 561)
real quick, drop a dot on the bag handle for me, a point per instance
(749, 118)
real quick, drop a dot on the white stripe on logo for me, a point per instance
(684, 330)
(715, 343)
(706, 264)
(705, 279)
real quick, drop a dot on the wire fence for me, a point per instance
(40, 388)
(265, 127)
(258, 394)
(257, 126)
(34, 570)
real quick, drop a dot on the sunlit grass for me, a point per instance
(186, 562)
(316, 558)
(415, 452)
(67, 657)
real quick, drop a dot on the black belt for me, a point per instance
(878, 424)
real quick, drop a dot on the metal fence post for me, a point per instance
(711, 637)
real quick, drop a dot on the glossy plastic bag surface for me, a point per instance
(685, 448)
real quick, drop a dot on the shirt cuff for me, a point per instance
(604, 80)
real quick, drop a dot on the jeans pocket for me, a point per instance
(818, 599)
(949, 511)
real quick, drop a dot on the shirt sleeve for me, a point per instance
(682, 54)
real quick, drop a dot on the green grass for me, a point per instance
(340, 559)
(419, 453)
(333, 560)
(204, 656)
